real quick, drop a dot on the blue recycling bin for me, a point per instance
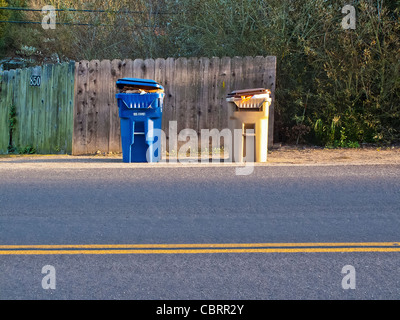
(140, 103)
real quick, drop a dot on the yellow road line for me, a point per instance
(198, 248)
(194, 251)
(203, 245)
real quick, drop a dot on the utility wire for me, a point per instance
(59, 23)
(74, 10)
(74, 24)
(85, 10)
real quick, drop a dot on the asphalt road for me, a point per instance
(200, 205)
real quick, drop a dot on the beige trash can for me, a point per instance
(249, 112)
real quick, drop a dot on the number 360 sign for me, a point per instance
(35, 81)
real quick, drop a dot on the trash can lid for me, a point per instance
(138, 83)
(248, 92)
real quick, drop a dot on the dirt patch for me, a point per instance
(314, 155)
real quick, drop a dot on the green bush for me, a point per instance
(344, 85)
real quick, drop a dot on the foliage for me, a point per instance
(26, 150)
(12, 118)
(356, 77)
(12, 121)
(12, 36)
(4, 15)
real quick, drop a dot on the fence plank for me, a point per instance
(37, 107)
(4, 109)
(127, 69)
(149, 69)
(224, 89)
(181, 94)
(237, 73)
(52, 122)
(61, 72)
(48, 124)
(80, 119)
(260, 67)
(92, 108)
(14, 98)
(115, 131)
(9, 100)
(270, 82)
(25, 137)
(71, 105)
(248, 73)
(62, 99)
(35, 110)
(44, 96)
(20, 113)
(204, 66)
(106, 103)
(138, 68)
(169, 100)
(159, 71)
(64, 105)
(213, 108)
(191, 94)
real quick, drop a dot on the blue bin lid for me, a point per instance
(139, 83)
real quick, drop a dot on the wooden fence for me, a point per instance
(43, 98)
(74, 109)
(196, 90)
